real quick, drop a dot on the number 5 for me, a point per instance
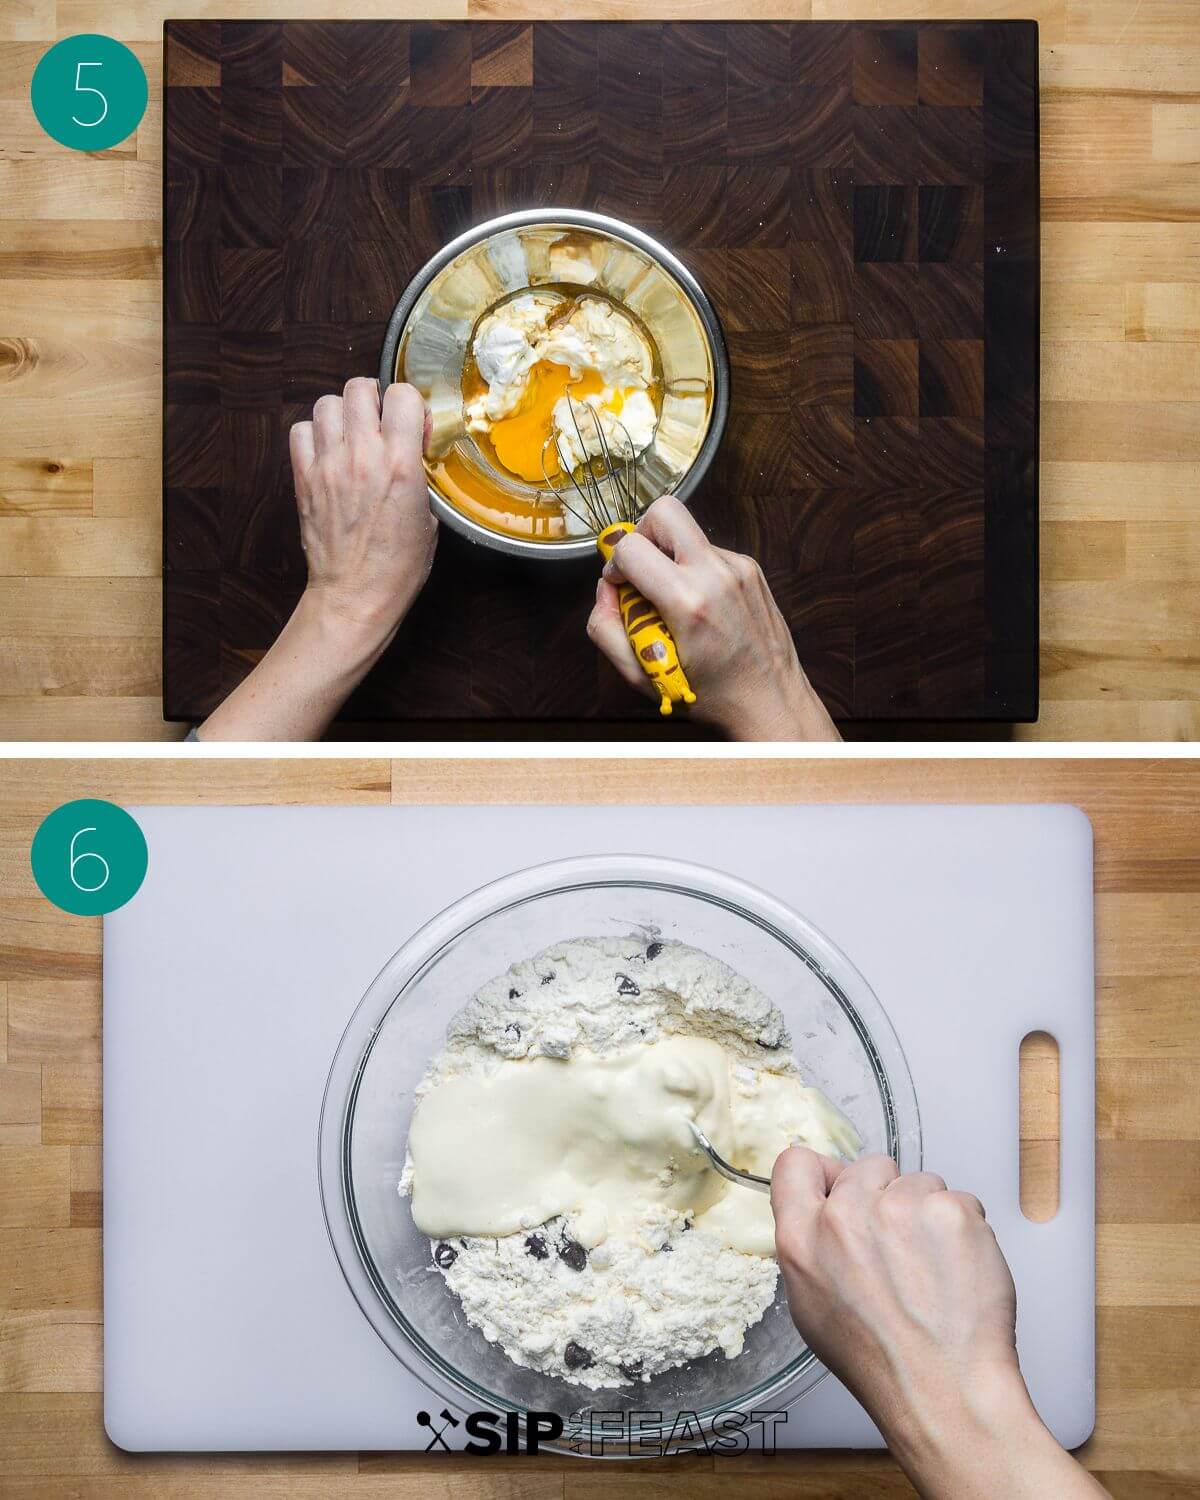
(78, 859)
(86, 88)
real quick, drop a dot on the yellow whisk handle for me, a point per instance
(653, 644)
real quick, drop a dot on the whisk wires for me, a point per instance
(604, 490)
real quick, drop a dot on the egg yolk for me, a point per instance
(521, 438)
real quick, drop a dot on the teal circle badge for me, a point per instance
(89, 92)
(89, 857)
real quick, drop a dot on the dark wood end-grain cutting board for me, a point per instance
(861, 203)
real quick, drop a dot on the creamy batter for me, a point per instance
(604, 1140)
(551, 1161)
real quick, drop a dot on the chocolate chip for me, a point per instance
(633, 1370)
(666, 1247)
(576, 1357)
(535, 1245)
(513, 1030)
(626, 986)
(652, 953)
(514, 994)
(549, 978)
(768, 1046)
(445, 1255)
(573, 1253)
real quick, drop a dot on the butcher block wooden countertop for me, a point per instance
(80, 382)
(1146, 816)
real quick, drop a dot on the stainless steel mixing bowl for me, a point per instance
(428, 338)
(839, 1032)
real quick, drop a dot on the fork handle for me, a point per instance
(653, 644)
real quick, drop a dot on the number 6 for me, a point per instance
(78, 859)
(86, 88)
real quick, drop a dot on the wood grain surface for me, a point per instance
(1146, 817)
(80, 274)
(859, 201)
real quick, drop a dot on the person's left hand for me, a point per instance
(365, 524)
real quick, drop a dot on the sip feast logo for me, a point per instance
(437, 1440)
(603, 1432)
(483, 1429)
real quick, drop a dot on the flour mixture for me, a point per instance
(552, 1165)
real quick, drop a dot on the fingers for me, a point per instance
(607, 632)
(800, 1183)
(360, 408)
(672, 527)
(970, 1202)
(918, 1183)
(403, 419)
(744, 568)
(303, 454)
(652, 572)
(359, 413)
(924, 1184)
(868, 1174)
(670, 560)
(327, 424)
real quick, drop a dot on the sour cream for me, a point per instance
(518, 343)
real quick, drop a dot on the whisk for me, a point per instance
(606, 503)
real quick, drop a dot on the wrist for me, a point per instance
(789, 710)
(359, 630)
(963, 1440)
(318, 659)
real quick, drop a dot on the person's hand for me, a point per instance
(368, 535)
(898, 1285)
(365, 524)
(896, 1281)
(733, 643)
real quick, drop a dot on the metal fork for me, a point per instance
(734, 1174)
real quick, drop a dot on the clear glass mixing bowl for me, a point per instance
(840, 1035)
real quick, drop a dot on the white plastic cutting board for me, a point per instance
(229, 978)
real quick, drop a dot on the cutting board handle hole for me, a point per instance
(1040, 1132)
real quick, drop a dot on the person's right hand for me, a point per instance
(898, 1286)
(895, 1281)
(733, 643)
